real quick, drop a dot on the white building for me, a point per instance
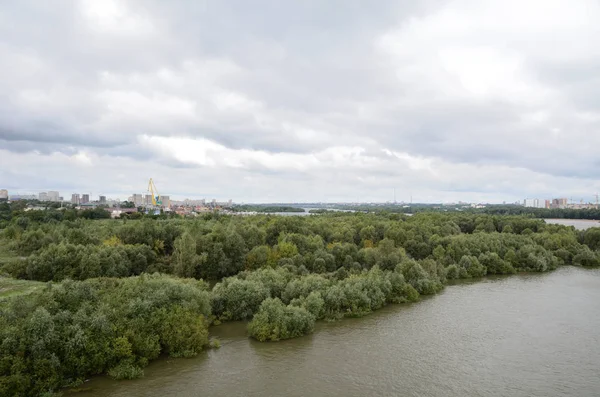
(53, 196)
(3, 194)
(43, 196)
(534, 203)
(166, 201)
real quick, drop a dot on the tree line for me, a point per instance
(103, 311)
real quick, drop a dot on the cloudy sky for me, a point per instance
(339, 100)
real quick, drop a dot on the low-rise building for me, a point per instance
(117, 211)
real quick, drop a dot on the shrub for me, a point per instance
(275, 321)
(586, 257)
(60, 335)
(452, 272)
(472, 266)
(236, 299)
(126, 370)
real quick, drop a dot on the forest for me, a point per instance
(492, 209)
(265, 208)
(111, 295)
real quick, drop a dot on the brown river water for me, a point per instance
(523, 335)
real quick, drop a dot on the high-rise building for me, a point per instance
(75, 199)
(3, 194)
(166, 201)
(559, 203)
(53, 196)
(138, 200)
(148, 199)
(85, 198)
(547, 204)
(102, 200)
(43, 196)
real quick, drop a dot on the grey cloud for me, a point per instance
(298, 78)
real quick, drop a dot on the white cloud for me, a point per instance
(115, 17)
(445, 100)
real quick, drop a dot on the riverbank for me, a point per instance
(280, 273)
(479, 338)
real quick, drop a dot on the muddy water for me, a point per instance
(525, 335)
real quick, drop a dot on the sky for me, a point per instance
(312, 101)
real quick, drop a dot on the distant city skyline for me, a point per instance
(537, 201)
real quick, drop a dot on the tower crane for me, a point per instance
(156, 200)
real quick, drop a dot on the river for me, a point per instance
(523, 335)
(579, 224)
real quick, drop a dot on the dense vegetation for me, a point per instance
(70, 331)
(102, 311)
(491, 209)
(266, 208)
(547, 213)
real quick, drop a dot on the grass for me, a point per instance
(8, 285)
(11, 287)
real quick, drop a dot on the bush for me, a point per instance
(472, 266)
(125, 370)
(421, 280)
(62, 334)
(495, 265)
(275, 321)
(586, 257)
(313, 303)
(236, 299)
(452, 272)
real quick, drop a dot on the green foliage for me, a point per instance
(494, 264)
(586, 257)
(472, 266)
(276, 321)
(422, 281)
(452, 272)
(64, 333)
(125, 370)
(217, 247)
(185, 260)
(301, 269)
(60, 261)
(313, 303)
(237, 299)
